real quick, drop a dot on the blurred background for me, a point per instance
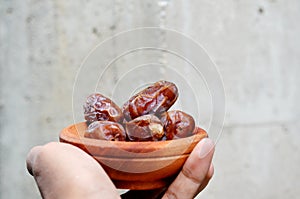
(255, 44)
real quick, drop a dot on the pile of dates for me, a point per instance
(144, 117)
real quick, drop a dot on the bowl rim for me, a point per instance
(72, 135)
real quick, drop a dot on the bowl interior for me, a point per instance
(74, 135)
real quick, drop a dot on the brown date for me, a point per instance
(106, 130)
(100, 108)
(177, 124)
(144, 128)
(155, 99)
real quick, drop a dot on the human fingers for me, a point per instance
(64, 171)
(208, 177)
(194, 174)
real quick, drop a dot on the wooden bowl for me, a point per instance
(135, 165)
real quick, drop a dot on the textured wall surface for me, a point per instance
(255, 44)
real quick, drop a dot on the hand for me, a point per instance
(64, 171)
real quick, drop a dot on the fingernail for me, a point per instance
(206, 146)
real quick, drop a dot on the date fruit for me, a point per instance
(177, 124)
(155, 99)
(100, 108)
(144, 128)
(106, 130)
(145, 116)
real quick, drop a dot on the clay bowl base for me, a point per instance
(135, 165)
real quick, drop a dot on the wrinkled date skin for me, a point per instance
(177, 124)
(100, 108)
(106, 130)
(144, 128)
(155, 99)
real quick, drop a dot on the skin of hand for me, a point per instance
(65, 171)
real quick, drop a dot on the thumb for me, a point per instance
(195, 173)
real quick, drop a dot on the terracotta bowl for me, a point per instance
(135, 165)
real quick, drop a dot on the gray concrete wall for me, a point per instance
(255, 44)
